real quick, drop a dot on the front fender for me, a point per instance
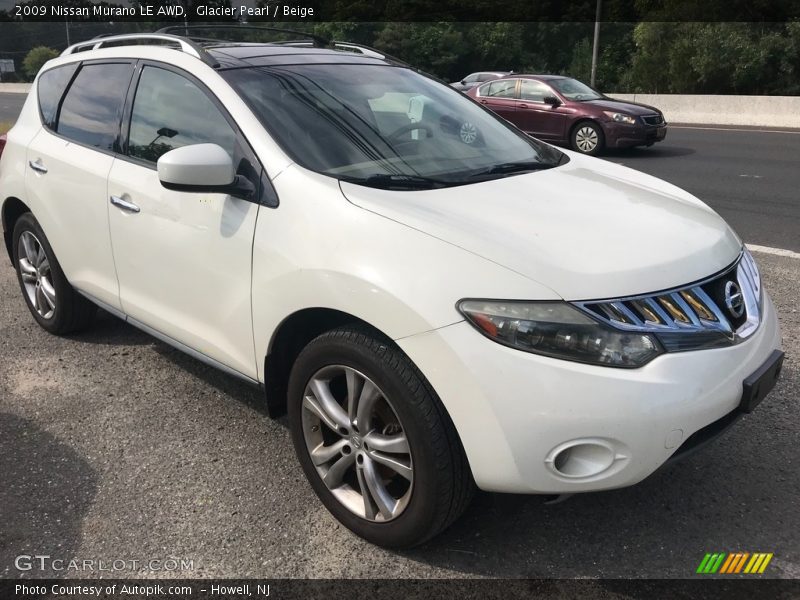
(317, 250)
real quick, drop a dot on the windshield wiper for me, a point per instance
(514, 167)
(389, 181)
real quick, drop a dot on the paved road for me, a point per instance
(751, 178)
(10, 105)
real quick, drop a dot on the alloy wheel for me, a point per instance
(36, 275)
(357, 443)
(586, 139)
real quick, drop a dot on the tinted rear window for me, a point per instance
(92, 109)
(52, 84)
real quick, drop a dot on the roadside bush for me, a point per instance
(36, 58)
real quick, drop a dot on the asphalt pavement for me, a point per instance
(749, 176)
(115, 446)
(10, 106)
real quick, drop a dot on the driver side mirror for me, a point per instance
(202, 168)
(552, 101)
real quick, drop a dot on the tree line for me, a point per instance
(646, 57)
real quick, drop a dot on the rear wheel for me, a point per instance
(53, 302)
(374, 440)
(587, 138)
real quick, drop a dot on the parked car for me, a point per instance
(475, 79)
(565, 111)
(437, 299)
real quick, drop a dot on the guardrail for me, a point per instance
(756, 111)
(14, 88)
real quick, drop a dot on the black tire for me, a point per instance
(72, 311)
(442, 485)
(575, 142)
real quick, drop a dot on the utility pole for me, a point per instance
(595, 44)
(66, 24)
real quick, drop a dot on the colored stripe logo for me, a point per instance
(734, 562)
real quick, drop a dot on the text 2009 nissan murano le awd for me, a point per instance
(438, 300)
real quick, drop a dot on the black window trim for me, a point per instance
(81, 64)
(63, 95)
(266, 196)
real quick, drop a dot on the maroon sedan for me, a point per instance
(563, 110)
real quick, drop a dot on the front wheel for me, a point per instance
(587, 138)
(374, 439)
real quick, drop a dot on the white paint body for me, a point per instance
(219, 275)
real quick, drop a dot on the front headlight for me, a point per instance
(620, 117)
(559, 330)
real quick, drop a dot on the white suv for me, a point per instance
(439, 302)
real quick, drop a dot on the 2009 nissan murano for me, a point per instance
(438, 300)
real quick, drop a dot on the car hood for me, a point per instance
(632, 108)
(589, 229)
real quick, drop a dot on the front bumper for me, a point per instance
(516, 412)
(620, 135)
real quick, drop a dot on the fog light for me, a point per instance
(583, 458)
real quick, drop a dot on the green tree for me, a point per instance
(36, 58)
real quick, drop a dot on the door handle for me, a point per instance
(484, 101)
(523, 105)
(38, 166)
(125, 205)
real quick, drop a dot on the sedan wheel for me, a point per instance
(587, 138)
(357, 444)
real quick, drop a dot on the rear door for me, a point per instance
(537, 117)
(184, 259)
(499, 96)
(68, 165)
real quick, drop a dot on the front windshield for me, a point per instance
(574, 90)
(385, 126)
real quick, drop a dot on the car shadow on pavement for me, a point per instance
(108, 330)
(228, 385)
(46, 493)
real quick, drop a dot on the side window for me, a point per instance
(50, 89)
(92, 109)
(485, 77)
(535, 91)
(500, 88)
(169, 111)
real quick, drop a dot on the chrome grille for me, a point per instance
(653, 119)
(720, 311)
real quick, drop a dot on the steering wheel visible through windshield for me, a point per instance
(385, 126)
(572, 89)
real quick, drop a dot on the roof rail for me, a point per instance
(360, 48)
(317, 41)
(185, 45)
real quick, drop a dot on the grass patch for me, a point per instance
(5, 126)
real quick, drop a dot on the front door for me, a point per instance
(183, 259)
(537, 117)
